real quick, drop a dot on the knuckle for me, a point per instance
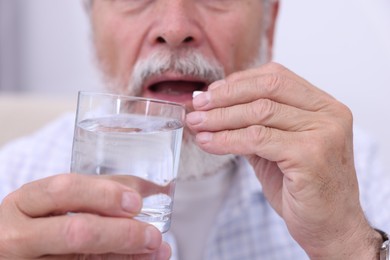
(78, 233)
(222, 113)
(11, 241)
(8, 201)
(229, 90)
(224, 140)
(313, 148)
(346, 115)
(262, 110)
(9, 206)
(338, 125)
(341, 111)
(60, 184)
(334, 133)
(57, 187)
(271, 83)
(224, 94)
(258, 135)
(333, 130)
(234, 76)
(252, 111)
(274, 67)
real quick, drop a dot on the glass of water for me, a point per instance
(134, 141)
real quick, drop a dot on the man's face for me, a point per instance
(166, 49)
(224, 33)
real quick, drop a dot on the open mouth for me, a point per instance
(177, 87)
(174, 87)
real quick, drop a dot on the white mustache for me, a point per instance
(188, 63)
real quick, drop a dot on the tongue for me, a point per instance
(177, 87)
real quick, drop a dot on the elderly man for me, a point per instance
(267, 168)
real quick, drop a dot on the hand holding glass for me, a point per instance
(134, 140)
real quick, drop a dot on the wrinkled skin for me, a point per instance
(34, 223)
(297, 138)
(299, 142)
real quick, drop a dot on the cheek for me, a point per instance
(247, 43)
(222, 43)
(248, 52)
(238, 46)
(115, 46)
(105, 45)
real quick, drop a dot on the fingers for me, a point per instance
(263, 112)
(272, 82)
(268, 111)
(163, 253)
(88, 234)
(78, 233)
(77, 193)
(258, 140)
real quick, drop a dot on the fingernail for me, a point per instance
(131, 202)
(164, 253)
(201, 100)
(217, 84)
(194, 118)
(204, 137)
(152, 238)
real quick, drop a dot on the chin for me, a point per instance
(196, 164)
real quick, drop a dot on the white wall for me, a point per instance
(56, 51)
(340, 46)
(344, 48)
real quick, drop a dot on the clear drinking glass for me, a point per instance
(135, 141)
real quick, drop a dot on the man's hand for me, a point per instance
(35, 223)
(299, 141)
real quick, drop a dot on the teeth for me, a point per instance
(195, 93)
(171, 91)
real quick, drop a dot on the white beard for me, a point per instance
(196, 164)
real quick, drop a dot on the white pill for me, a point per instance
(195, 93)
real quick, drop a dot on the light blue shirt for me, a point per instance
(246, 227)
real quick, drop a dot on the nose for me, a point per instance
(176, 25)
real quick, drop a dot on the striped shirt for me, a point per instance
(245, 228)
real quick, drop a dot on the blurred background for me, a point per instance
(342, 47)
